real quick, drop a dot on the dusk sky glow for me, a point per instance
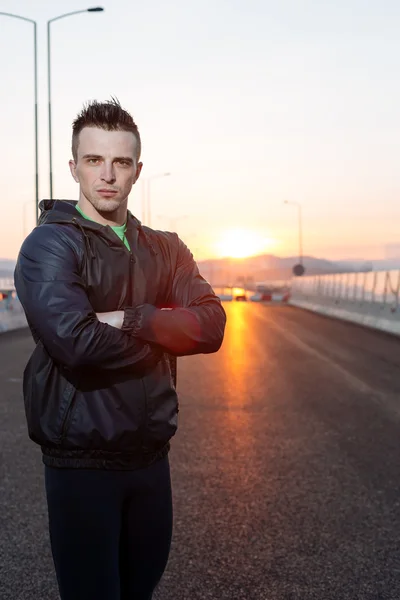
(246, 104)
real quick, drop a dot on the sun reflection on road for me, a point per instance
(237, 357)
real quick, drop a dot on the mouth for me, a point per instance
(107, 193)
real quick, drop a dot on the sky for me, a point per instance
(245, 104)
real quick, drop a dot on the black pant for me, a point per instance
(110, 531)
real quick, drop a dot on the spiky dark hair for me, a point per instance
(108, 115)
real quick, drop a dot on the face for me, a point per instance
(106, 167)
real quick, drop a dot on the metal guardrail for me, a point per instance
(371, 298)
(382, 287)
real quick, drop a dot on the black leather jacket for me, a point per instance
(96, 396)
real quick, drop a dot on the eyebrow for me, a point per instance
(126, 158)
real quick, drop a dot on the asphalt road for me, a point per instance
(285, 467)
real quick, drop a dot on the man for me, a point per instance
(98, 392)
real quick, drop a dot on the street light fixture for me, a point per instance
(36, 109)
(75, 12)
(146, 203)
(299, 269)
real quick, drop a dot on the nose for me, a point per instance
(108, 172)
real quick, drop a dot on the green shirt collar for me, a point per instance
(118, 229)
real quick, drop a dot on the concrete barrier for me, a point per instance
(370, 299)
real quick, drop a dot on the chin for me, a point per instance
(106, 204)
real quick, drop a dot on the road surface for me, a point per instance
(285, 468)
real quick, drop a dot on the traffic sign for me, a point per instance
(298, 270)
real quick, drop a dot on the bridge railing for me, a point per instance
(370, 298)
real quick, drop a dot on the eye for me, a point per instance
(93, 161)
(124, 163)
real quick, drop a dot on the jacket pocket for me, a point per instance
(108, 419)
(48, 398)
(69, 400)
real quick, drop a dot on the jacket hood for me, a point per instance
(64, 211)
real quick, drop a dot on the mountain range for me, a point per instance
(261, 268)
(269, 267)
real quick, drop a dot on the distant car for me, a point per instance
(225, 297)
(274, 292)
(241, 298)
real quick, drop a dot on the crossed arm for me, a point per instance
(115, 318)
(179, 330)
(194, 324)
(53, 295)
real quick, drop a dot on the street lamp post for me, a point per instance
(146, 203)
(36, 109)
(75, 12)
(300, 224)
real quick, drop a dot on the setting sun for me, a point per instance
(240, 243)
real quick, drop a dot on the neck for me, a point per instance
(114, 219)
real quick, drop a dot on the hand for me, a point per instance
(114, 318)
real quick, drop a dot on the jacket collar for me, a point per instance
(64, 211)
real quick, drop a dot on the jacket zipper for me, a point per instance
(131, 261)
(143, 427)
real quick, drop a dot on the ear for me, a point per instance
(138, 171)
(72, 167)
